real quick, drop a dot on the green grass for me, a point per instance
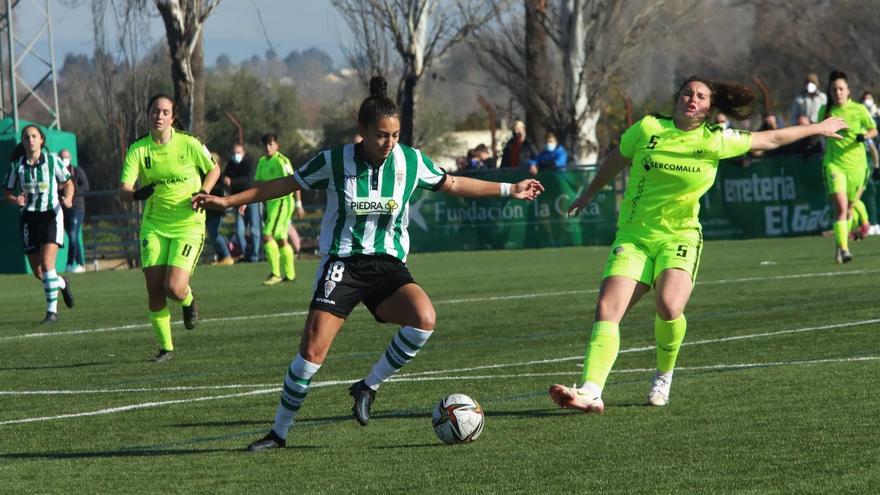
(799, 415)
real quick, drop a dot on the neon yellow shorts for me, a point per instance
(845, 180)
(182, 251)
(645, 258)
(277, 220)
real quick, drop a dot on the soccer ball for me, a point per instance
(457, 419)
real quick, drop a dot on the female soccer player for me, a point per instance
(278, 251)
(364, 242)
(845, 161)
(36, 174)
(174, 166)
(659, 238)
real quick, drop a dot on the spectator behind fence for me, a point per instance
(238, 176)
(552, 157)
(722, 121)
(213, 220)
(808, 101)
(519, 150)
(478, 158)
(73, 216)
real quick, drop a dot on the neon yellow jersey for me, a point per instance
(176, 168)
(273, 167)
(847, 153)
(671, 170)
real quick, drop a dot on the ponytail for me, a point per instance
(733, 99)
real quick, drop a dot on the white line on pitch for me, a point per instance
(147, 405)
(446, 301)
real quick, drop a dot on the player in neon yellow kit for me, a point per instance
(279, 253)
(174, 166)
(845, 162)
(659, 240)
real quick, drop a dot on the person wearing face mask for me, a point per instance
(673, 161)
(364, 245)
(519, 150)
(552, 157)
(844, 162)
(238, 176)
(808, 101)
(73, 216)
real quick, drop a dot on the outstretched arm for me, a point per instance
(770, 140)
(608, 170)
(469, 187)
(269, 189)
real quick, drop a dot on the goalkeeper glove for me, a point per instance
(860, 138)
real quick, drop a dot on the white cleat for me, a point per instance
(575, 398)
(658, 395)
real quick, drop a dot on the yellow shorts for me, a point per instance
(644, 258)
(277, 219)
(182, 251)
(845, 180)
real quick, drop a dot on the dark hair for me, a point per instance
(159, 96)
(733, 99)
(835, 75)
(377, 105)
(481, 148)
(269, 138)
(18, 151)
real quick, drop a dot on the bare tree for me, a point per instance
(183, 29)
(421, 30)
(369, 50)
(594, 44)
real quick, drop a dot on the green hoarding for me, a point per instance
(440, 222)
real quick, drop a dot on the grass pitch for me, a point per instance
(776, 390)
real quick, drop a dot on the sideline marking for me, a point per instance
(261, 391)
(447, 301)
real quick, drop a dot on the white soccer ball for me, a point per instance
(457, 419)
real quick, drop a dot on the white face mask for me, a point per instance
(811, 88)
(551, 146)
(869, 102)
(66, 162)
(237, 157)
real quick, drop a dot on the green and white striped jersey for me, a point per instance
(367, 206)
(39, 182)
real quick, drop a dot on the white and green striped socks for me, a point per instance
(402, 348)
(51, 283)
(293, 393)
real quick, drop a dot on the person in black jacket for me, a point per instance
(73, 217)
(238, 176)
(519, 150)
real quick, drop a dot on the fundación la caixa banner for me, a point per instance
(768, 197)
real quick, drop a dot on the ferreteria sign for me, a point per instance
(772, 197)
(439, 222)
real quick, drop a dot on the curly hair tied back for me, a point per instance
(735, 100)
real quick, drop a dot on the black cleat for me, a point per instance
(270, 441)
(163, 356)
(363, 400)
(66, 293)
(191, 314)
(50, 318)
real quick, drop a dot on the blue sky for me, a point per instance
(233, 28)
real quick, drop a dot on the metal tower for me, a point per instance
(15, 50)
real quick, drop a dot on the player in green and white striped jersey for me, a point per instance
(364, 243)
(35, 174)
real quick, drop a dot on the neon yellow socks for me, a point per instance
(841, 234)
(286, 253)
(860, 213)
(669, 336)
(273, 256)
(601, 353)
(161, 321)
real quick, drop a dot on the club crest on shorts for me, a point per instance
(618, 250)
(329, 285)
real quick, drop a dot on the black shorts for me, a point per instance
(41, 227)
(342, 283)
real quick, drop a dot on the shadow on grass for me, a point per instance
(57, 367)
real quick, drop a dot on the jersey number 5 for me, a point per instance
(682, 251)
(652, 143)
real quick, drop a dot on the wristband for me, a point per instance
(505, 189)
